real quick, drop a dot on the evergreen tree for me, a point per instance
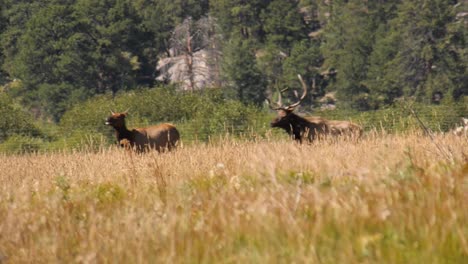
(383, 90)
(240, 18)
(41, 54)
(61, 51)
(348, 43)
(159, 18)
(457, 50)
(284, 29)
(118, 41)
(244, 79)
(14, 15)
(3, 25)
(422, 61)
(305, 59)
(282, 24)
(70, 52)
(270, 61)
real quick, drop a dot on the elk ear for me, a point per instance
(125, 113)
(112, 112)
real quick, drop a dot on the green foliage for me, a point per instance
(399, 118)
(14, 120)
(72, 51)
(18, 144)
(246, 81)
(349, 40)
(145, 106)
(197, 115)
(81, 140)
(158, 21)
(65, 52)
(63, 184)
(240, 18)
(305, 59)
(109, 193)
(3, 24)
(282, 23)
(62, 95)
(215, 119)
(415, 58)
(78, 198)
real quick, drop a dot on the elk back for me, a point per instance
(344, 128)
(159, 137)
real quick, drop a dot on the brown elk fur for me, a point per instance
(299, 127)
(159, 137)
(312, 127)
(344, 128)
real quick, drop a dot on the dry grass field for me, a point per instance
(385, 199)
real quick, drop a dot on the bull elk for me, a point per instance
(312, 127)
(159, 137)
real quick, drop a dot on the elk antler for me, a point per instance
(279, 103)
(304, 93)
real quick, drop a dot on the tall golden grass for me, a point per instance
(384, 199)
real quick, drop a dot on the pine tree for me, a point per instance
(40, 55)
(305, 59)
(70, 52)
(421, 60)
(239, 18)
(283, 24)
(3, 25)
(243, 77)
(15, 15)
(383, 91)
(347, 44)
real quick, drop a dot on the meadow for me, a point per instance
(389, 198)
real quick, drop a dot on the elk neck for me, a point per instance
(296, 126)
(122, 132)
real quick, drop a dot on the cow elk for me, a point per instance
(312, 127)
(159, 137)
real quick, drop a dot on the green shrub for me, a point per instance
(17, 144)
(89, 116)
(146, 106)
(78, 140)
(109, 193)
(14, 120)
(197, 115)
(228, 117)
(399, 117)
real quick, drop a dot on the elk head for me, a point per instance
(285, 113)
(117, 120)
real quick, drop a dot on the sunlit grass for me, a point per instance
(385, 199)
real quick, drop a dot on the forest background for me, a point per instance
(209, 65)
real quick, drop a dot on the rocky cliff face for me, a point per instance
(193, 72)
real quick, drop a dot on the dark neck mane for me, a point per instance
(296, 126)
(123, 133)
